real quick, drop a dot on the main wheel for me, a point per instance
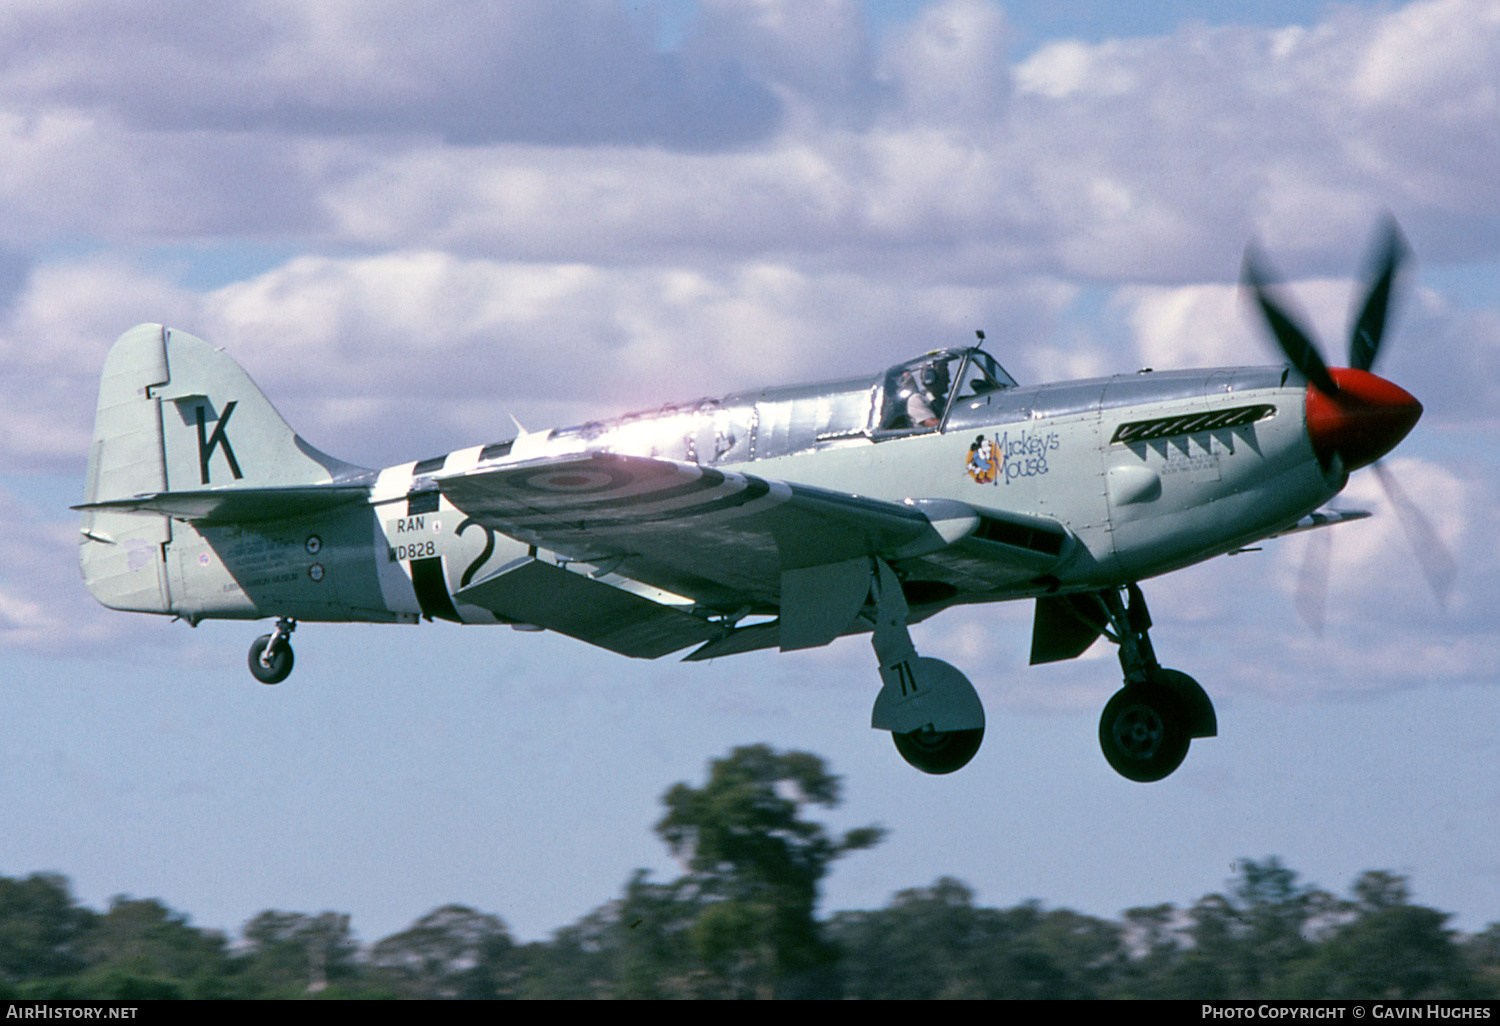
(1143, 732)
(276, 666)
(938, 751)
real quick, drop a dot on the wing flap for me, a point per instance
(741, 639)
(529, 590)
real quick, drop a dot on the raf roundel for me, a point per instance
(571, 481)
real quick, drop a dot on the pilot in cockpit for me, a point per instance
(924, 389)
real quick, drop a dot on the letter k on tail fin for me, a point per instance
(176, 415)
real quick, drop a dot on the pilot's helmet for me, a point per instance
(933, 376)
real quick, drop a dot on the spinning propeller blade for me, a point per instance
(1433, 556)
(1364, 338)
(1301, 352)
(1353, 417)
(1312, 580)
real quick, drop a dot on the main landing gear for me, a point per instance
(1148, 724)
(271, 655)
(935, 717)
(930, 708)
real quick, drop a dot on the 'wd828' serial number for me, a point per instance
(416, 550)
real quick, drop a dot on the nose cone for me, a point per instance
(1361, 422)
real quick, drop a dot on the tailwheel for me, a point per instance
(271, 654)
(938, 751)
(1144, 732)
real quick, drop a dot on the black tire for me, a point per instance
(1143, 733)
(938, 752)
(281, 661)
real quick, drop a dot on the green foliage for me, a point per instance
(141, 945)
(452, 952)
(755, 865)
(39, 928)
(294, 955)
(932, 942)
(742, 834)
(1390, 950)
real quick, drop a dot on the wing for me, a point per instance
(720, 538)
(729, 542)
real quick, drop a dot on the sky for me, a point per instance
(412, 223)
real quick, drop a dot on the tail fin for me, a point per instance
(176, 415)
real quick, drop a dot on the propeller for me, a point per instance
(1364, 338)
(1433, 556)
(1354, 417)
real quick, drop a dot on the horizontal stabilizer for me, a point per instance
(236, 505)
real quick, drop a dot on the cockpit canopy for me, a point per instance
(908, 399)
(916, 395)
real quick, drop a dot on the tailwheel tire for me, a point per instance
(273, 668)
(938, 751)
(1143, 732)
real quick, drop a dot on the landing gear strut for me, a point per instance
(932, 711)
(1149, 723)
(271, 655)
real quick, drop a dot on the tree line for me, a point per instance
(740, 923)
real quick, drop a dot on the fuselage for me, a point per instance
(1145, 473)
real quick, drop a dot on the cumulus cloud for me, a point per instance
(1192, 326)
(1221, 325)
(1126, 160)
(41, 609)
(569, 74)
(948, 68)
(1383, 626)
(1448, 355)
(1285, 131)
(771, 127)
